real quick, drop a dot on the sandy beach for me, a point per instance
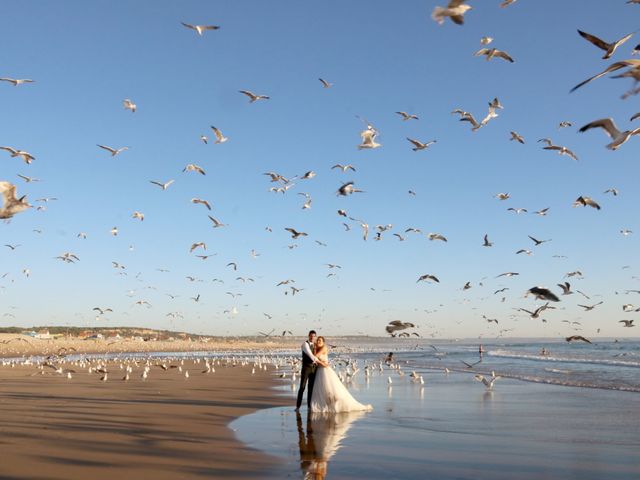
(16, 345)
(167, 426)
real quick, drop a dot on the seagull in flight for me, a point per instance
(369, 138)
(201, 202)
(129, 105)
(487, 383)
(407, 116)
(11, 203)
(28, 179)
(347, 189)
(113, 151)
(164, 186)
(566, 288)
(542, 293)
(577, 337)
(325, 84)
(16, 81)
(455, 10)
(200, 29)
(426, 277)
(609, 48)
(26, 156)
(562, 151)
(627, 323)
(583, 201)
(294, 233)
(517, 137)
(588, 308)
(538, 242)
(219, 137)
(494, 52)
(417, 145)
(634, 64)
(344, 168)
(216, 223)
(609, 127)
(253, 97)
(192, 167)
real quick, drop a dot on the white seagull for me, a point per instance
(455, 10)
(608, 125)
(200, 29)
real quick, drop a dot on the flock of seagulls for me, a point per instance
(454, 12)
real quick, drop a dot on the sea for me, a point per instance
(570, 411)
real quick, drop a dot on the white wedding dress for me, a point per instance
(330, 395)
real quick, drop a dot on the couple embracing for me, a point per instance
(325, 393)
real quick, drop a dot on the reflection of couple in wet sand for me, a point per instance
(326, 393)
(331, 411)
(324, 432)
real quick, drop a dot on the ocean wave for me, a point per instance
(564, 359)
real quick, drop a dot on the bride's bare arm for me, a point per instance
(319, 361)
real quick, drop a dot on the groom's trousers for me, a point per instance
(307, 375)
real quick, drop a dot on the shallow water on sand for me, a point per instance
(454, 428)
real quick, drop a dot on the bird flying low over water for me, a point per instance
(574, 338)
(113, 151)
(487, 382)
(542, 293)
(395, 325)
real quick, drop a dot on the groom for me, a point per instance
(308, 373)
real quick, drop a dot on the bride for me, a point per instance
(329, 394)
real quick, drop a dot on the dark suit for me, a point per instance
(307, 374)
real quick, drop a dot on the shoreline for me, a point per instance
(17, 345)
(167, 426)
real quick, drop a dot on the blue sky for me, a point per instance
(382, 57)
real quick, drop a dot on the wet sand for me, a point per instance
(166, 427)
